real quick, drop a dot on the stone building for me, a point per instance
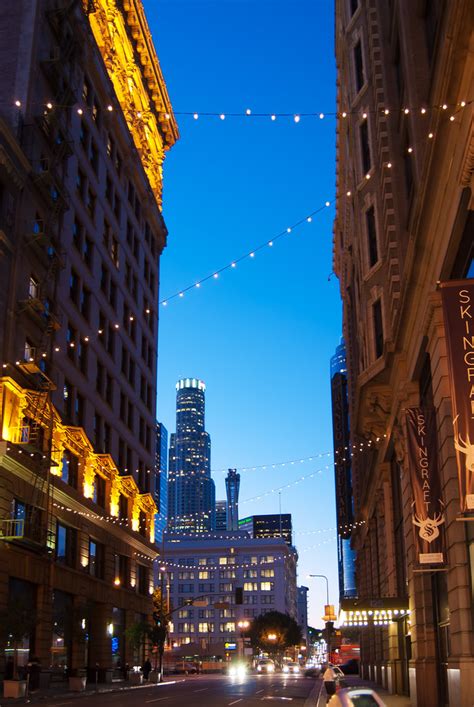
(85, 121)
(405, 224)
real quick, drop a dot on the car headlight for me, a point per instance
(259, 668)
(241, 671)
(286, 669)
(296, 669)
(271, 668)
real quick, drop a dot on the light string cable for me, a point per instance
(248, 255)
(83, 107)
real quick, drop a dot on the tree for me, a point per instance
(273, 633)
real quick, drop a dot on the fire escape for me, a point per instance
(48, 145)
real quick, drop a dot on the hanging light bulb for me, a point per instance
(273, 117)
(195, 116)
(297, 118)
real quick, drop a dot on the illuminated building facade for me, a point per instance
(212, 567)
(273, 525)
(85, 121)
(404, 224)
(342, 471)
(191, 491)
(232, 485)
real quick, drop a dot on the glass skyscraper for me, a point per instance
(232, 485)
(191, 491)
(343, 474)
(161, 481)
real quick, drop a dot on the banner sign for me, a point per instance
(458, 308)
(427, 508)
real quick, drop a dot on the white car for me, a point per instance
(291, 668)
(356, 697)
(265, 666)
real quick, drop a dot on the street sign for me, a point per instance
(200, 602)
(230, 646)
(219, 605)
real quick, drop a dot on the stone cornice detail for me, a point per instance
(125, 43)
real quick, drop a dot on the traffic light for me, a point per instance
(157, 618)
(328, 631)
(239, 595)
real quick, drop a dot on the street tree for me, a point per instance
(274, 633)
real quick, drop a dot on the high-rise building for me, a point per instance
(161, 481)
(81, 233)
(232, 485)
(211, 568)
(273, 525)
(403, 242)
(342, 470)
(191, 497)
(302, 612)
(221, 515)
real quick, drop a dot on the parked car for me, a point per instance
(356, 697)
(265, 666)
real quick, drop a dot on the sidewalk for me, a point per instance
(356, 681)
(62, 690)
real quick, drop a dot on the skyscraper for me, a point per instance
(161, 480)
(221, 515)
(232, 485)
(191, 506)
(343, 478)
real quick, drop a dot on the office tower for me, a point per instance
(81, 233)
(302, 612)
(273, 525)
(404, 226)
(342, 473)
(191, 497)
(212, 568)
(221, 515)
(232, 485)
(161, 481)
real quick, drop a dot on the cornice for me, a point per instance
(124, 41)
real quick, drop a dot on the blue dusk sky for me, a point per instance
(262, 334)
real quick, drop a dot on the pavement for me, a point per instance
(356, 681)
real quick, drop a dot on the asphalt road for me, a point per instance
(204, 691)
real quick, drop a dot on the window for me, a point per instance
(122, 574)
(267, 560)
(123, 507)
(205, 627)
(267, 599)
(65, 545)
(248, 574)
(227, 627)
(226, 587)
(33, 288)
(378, 327)
(69, 468)
(358, 66)
(267, 573)
(96, 559)
(250, 599)
(371, 236)
(99, 491)
(250, 586)
(267, 586)
(365, 147)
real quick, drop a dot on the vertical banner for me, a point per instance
(427, 506)
(458, 308)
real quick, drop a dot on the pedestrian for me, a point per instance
(126, 668)
(146, 668)
(329, 679)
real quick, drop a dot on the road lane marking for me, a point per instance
(159, 698)
(258, 691)
(61, 704)
(201, 689)
(235, 701)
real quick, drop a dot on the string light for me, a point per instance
(250, 254)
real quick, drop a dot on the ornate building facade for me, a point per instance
(404, 226)
(85, 121)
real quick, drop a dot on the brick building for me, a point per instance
(85, 121)
(404, 224)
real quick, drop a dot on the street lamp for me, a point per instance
(329, 616)
(243, 625)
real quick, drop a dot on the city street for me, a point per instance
(204, 690)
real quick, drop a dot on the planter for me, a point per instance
(135, 678)
(14, 688)
(77, 684)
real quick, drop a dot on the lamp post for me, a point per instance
(243, 625)
(329, 616)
